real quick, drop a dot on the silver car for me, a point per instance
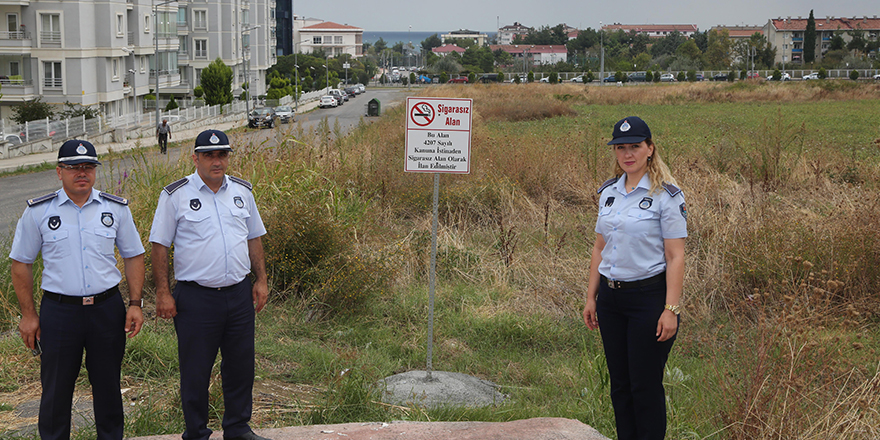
(284, 113)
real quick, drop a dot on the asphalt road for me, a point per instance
(18, 189)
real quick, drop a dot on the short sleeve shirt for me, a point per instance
(634, 226)
(77, 243)
(210, 232)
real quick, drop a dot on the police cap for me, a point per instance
(630, 130)
(77, 151)
(212, 140)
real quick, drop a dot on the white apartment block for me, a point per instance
(105, 54)
(313, 35)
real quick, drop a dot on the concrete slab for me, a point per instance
(413, 388)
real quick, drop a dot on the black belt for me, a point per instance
(82, 300)
(195, 284)
(614, 284)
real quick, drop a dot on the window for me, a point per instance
(120, 25)
(198, 76)
(337, 39)
(182, 44)
(50, 28)
(201, 48)
(316, 40)
(14, 68)
(52, 74)
(143, 64)
(115, 69)
(12, 27)
(147, 22)
(200, 19)
(181, 16)
(245, 18)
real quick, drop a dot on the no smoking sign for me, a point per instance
(438, 135)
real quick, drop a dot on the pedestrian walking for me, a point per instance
(163, 133)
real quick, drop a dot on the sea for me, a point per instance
(392, 38)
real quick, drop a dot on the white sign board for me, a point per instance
(438, 135)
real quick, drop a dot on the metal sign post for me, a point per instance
(438, 140)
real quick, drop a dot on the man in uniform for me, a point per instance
(76, 229)
(163, 133)
(216, 229)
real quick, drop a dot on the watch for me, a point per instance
(674, 309)
(136, 302)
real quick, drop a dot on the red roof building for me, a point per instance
(787, 34)
(534, 53)
(447, 49)
(653, 30)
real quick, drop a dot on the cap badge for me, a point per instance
(214, 139)
(646, 203)
(195, 204)
(238, 202)
(625, 126)
(81, 149)
(107, 219)
(54, 222)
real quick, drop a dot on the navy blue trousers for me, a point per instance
(65, 331)
(628, 323)
(209, 320)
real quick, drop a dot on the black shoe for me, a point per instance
(248, 436)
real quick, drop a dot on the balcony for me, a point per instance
(50, 38)
(15, 39)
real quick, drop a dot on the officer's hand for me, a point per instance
(590, 317)
(29, 328)
(165, 305)
(261, 295)
(134, 320)
(667, 325)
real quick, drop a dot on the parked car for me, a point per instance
(637, 77)
(352, 91)
(362, 87)
(610, 79)
(262, 117)
(522, 78)
(578, 79)
(327, 101)
(877, 77)
(785, 77)
(285, 113)
(459, 80)
(720, 77)
(488, 78)
(545, 79)
(13, 139)
(340, 96)
(753, 75)
(814, 75)
(667, 77)
(700, 77)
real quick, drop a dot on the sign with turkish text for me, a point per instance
(438, 135)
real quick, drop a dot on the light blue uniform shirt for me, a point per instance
(634, 226)
(77, 243)
(209, 231)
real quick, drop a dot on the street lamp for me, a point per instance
(601, 56)
(156, 38)
(246, 63)
(130, 51)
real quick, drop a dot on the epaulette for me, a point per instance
(607, 183)
(671, 189)
(174, 186)
(242, 182)
(114, 198)
(36, 201)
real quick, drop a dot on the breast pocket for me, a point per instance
(56, 244)
(105, 240)
(197, 224)
(641, 222)
(239, 220)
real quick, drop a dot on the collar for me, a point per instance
(644, 182)
(63, 197)
(196, 179)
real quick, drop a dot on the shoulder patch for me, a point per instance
(242, 182)
(37, 200)
(607, 183)
(174, 186)
(114, 198)
(671, 189)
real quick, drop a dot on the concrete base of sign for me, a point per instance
(443, 389)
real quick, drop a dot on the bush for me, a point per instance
(649, 76)
(777, 75)
(681, 77)
(731, 76)
(500, 77)
(823, 73)
(172, 104)
(198, 91)
(589, 77)
(530, 77)
(854, 75)
(619, 76)
(32, 110)
(554, 78)
(691, 75)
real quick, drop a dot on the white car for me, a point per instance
(785, 77)
(667, 77)
(877, 77)
(578, 79)
(327, 101)
(814, 75)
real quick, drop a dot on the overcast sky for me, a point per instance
(484, 15)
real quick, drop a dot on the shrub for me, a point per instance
(681, 77)
(172, 104)
(554, 78)
(731, 76)
(691, 75)
(444, 77)
(823, 73)
(854, 75)
(530, 77)
(198, 91)
(777, 75)
(619, 76)
(649, 76)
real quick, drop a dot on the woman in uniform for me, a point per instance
(636, 277)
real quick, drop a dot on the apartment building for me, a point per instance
(111, 53)
(506, 34)
(313, 35)
(787, 34)
(653, 30)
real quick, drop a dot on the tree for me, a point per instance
(837, 41)
(172, 104)
(431, 42)
(857, 42)
(32, 110)
(667, 45)
(380, 45)
(217, 83)
(75, 111)
(810, 39)
(689, 49)
(717, 54)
